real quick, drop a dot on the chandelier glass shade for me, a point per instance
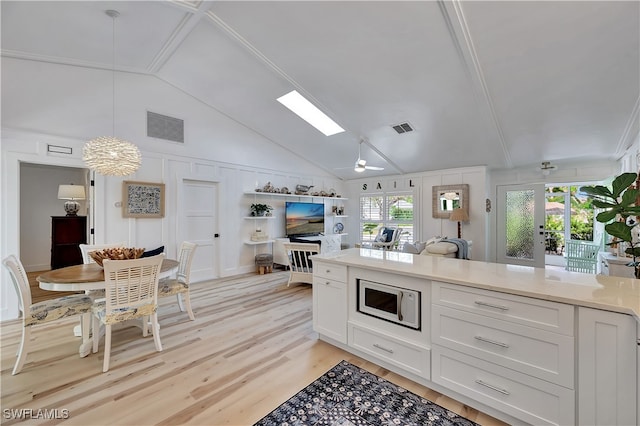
(111, 156)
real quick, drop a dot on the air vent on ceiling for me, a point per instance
(164, 127)
(403, 128)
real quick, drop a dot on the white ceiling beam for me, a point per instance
(459, 30)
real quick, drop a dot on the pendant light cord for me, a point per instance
(113, 73)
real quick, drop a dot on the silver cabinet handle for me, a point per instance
(495, 388)
(327, 283)
(493, 342)
(491, 305)
(375, 345)
(328, 271)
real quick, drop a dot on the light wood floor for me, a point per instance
(250, 348)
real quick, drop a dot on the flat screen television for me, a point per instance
(304, 219)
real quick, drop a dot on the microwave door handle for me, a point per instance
(399, 298)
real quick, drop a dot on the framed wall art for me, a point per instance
(142, 199)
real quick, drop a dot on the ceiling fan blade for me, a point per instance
(373, 168)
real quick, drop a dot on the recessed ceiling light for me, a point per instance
(310, 113)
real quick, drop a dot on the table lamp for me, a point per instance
(71, 193)
(459, 215)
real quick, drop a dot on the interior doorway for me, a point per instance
(198, 223)
(38, 195)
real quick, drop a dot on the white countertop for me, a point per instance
(615, 294)
(620, 260)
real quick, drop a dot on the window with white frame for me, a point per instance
(390, 210)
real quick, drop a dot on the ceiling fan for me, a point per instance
(361, 164)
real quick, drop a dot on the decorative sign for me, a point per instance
(143, 199)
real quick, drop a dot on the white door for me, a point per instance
(520, 227)
(198, 223)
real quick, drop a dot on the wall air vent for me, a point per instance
(164, 127)
(402, 128)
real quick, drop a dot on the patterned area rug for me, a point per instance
(350, 396)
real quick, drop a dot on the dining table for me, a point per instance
(87, 277)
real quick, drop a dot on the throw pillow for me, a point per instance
(382, 238)
(153, 252)
(388, 233)
(410, 248)
(415, 248)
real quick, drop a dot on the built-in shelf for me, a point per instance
(259, 217)
(277, 194)
(255, 243)
(337, 215)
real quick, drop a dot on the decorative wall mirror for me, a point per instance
(448, 197)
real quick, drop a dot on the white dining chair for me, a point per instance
(179, 286)
(131, 292)
(85, 249)
(42, 312)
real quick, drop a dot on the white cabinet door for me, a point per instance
(606, 368)
(330, 308)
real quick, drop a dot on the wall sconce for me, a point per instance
(71, 193)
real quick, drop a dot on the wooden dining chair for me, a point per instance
(300, 266)
(179, 286)
(131, 292)
(42, 312)
(85, 249)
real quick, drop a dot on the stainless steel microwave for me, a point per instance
(390, 303)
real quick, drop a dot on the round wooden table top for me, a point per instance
(88, 273)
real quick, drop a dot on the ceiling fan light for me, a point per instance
(359, 168)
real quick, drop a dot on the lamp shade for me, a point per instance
(71, 192)
(459, 215)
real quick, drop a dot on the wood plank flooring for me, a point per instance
(250, 348)
(39, 295)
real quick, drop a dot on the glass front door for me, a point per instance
(520, 227)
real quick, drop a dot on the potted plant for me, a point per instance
(258, 209)
(619, 203)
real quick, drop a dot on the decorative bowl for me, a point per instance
(116, 253)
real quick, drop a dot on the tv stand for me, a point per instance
(329, 244)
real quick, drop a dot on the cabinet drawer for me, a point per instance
(542, 354)
(542, 314)
(410, 357)
(333, 272)
(519, 395)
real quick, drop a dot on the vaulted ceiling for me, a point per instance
(504, 84)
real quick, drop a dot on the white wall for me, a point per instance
(38, 202)
(421, 184)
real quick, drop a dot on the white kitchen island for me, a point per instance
(525, 345)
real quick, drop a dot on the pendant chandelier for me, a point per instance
(109, 155)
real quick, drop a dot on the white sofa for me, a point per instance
(435, 247)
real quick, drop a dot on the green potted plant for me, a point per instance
(258, 209)
(620, 212)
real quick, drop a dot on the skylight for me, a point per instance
(309, 113)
